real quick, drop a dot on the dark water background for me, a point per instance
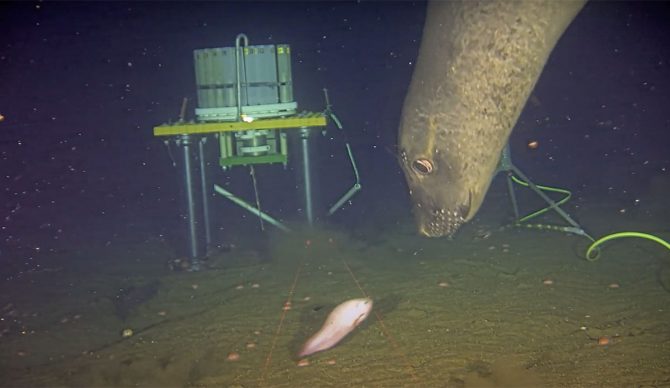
(91, 209)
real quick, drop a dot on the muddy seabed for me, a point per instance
(513, 308)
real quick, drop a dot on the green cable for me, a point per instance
(592, 253)
(543, 188)
(622, 235)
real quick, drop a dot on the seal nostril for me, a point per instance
(422, 166)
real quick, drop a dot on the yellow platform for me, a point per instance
(309, 119)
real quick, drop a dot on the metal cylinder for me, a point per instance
(306, 178)
(239, 67)
(284, 77)
(193, 207)
(204, 188)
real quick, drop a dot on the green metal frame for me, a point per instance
(247, 160)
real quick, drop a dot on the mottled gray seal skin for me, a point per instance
(477, 65)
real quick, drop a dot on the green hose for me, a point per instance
(592, 253)
(613, 236)
(563, 200)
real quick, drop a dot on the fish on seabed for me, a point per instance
(340, 322)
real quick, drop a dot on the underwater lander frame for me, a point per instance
(246, 104)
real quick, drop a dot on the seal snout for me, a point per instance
(441, 222)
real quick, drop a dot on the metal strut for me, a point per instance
(356, 187)
(510, 169)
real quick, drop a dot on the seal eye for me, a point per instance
(422, 166)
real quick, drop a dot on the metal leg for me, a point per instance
(307, 175)
(509, 168)
(192, 206)
(544, 196)
(204, 185)
(512, 196)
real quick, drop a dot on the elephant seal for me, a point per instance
(477, 64)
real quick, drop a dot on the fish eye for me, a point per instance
(422, 166)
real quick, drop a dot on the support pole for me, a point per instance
(505, 166)
(193, 208)
(255, 211)
(204, 187)
(307, 175)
